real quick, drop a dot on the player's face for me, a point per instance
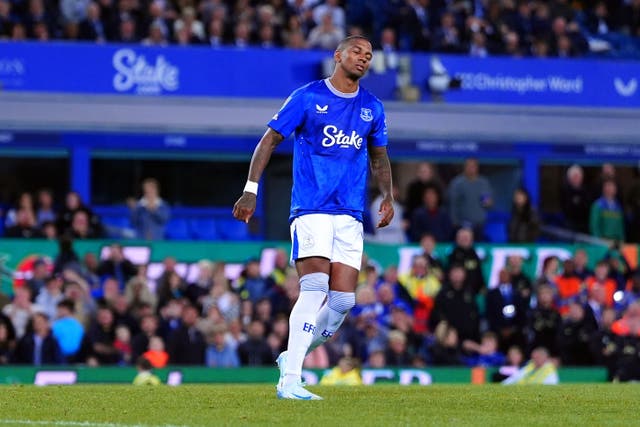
(355, 58)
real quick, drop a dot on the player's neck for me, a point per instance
(343, 84)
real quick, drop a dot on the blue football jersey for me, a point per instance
(332, 132)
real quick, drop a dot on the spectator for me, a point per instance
(574, 336)
(506, 313)
(91, 28)
(81, 228)
(6, 19)
(569, 288)
(20, 310)
(73, 11)
(632, 18)
(25, 201)
(117, 266)
(524, 225)
(456, 305)
(145, 376)
(38, 346)
(431, 218)
(606, 217)
(186, 344)
(122, 344)
(395, 232)
(25, 226)
(627, 332)
(549, 274)
(470, 195)
(446, 38)
(415, 22)
(575, 200)
(484, 354)
(242, 35)
(255, 351)
(7, 342)
(330, 7)
(251, 285)
(326, 35)
(73, 204)
(514, 361)
(581, 264)
(50, 295)
(423, 287)
(142, 340)
(39, 274)
(138, 291)
(194, 26)
(216, 33)
(630, 294)
(539, 370)
(156, 354)
(203, 283)
(396, 352)
(544, 321)
(102, 336)
(220, 353)
(603, 344)
(346, 373)
(463, 253)
(45, 212)
(150, 214)
(428, 246)
(426, 176)
(157, 36)
(478, 47)
(601, 279)
(520, 281)
(445, 351)
(69, 332)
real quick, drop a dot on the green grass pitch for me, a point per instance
(385, 405)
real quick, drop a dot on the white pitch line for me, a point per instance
(77, 424)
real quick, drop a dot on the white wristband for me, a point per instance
(251, 187)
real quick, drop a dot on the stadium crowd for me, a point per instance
(103, 312)
(602, 208)
(540, 28)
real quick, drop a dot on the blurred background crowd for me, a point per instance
(605, 208)
(540, 28)
(103, 310)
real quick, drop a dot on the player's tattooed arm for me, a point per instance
(262, 153)
(381, 170)
(246, 204)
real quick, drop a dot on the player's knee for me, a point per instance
(314, 282)
(341, 302)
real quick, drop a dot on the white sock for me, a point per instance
(302, 322)
(331, 316)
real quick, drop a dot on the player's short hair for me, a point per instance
(348, 41)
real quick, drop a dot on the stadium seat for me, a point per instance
(178, 229)
(496, 231)
(233, 230)
(204, 228)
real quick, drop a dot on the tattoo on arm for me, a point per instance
(381, 169)
(262, 153)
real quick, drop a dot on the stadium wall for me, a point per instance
(187, 375)
(17, 255)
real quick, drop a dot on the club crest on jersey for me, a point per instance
(321, 110)
(366, 114)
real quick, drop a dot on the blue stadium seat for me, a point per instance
(496, 231)
(231, 229)
(204, 228)
(178, 229)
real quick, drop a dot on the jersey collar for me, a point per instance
(338, 93)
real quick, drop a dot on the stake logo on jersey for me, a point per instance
(333, 132)
(338, 136)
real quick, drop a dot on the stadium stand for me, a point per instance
(442, 305)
